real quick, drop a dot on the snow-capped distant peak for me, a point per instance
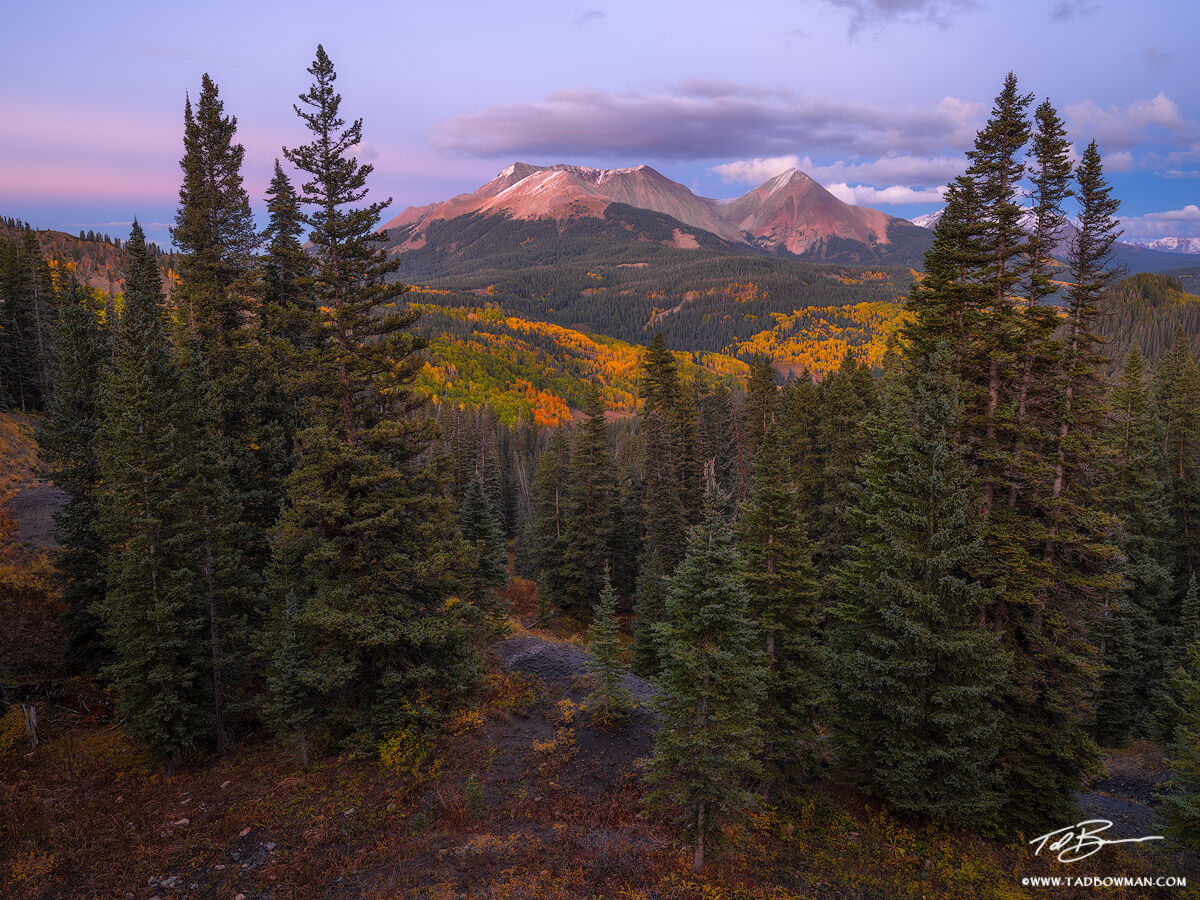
(1169, 244)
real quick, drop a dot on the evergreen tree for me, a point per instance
(153, 624)
(798, 418)
(367, 542)
(294, 688)
(662, 545)
(1136, 634)
(762, 403)
(27, 318)
(1181, 805)
(707, 745)
(481, 530)
(591, 499)
(547, 540)
(214, 228)
(67, 449)
(783, 591)
(845, 397)
(1177, 393)
(917, 673)
(609, 700)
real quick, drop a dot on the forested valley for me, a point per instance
(357, 589)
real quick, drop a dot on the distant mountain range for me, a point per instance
(789, 215)
(1135, 256)
(1169, 244)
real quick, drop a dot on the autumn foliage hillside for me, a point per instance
(536, 370)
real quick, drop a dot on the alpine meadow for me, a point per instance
(577, 535)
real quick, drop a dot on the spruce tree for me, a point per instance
(367, 542)
(1177, 394)
(1136, 633)
(1181, 805)
(67, 447)
(547, 539)
(153, 623)
(294, 686)
(662, 544)
(484, 579)
(784, 592)
(214, 229)
(609, 700)
(707, 747)
(762, 403)
(591, 498)
(917, 672)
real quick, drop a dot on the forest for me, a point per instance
(893, 579)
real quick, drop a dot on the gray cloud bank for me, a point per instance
(704, 121)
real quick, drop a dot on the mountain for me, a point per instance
(794, 213)
(787, 215)
(1169, 244)
(1133, 257)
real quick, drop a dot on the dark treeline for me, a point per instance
(952, 582)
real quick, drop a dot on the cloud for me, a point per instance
(887, 170)
(866, 14)
(1169, 223)
(706, 120)
(1156, 56)
(1119, 161)
(590, 16)
(1118, 128)
(1066, 10)
(896, 194)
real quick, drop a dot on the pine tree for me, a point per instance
(709, 737)
(1136, 634)
(662, 545)
(367, 542)
(27, 318)
(547, 540)
(235, 486)
(481, 530)
(609, 700)
(152, 622)
(1181, 805)
(917, 673)
(287, 306)
(784, 592)
(591, 498)
(1177, 394)
(214, 228)
(67, 449)
(845, 397)
(762, 403)
(293, 690)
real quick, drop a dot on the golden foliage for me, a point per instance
(817, 338)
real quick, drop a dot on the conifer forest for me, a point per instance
(561, 575)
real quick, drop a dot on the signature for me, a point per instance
(1076, 842)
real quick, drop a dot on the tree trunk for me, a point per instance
(698, 859)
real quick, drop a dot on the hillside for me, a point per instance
(526, 369)
(701, 302)
(1146, 310)
(96, 263)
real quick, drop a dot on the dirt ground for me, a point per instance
(34, 509)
